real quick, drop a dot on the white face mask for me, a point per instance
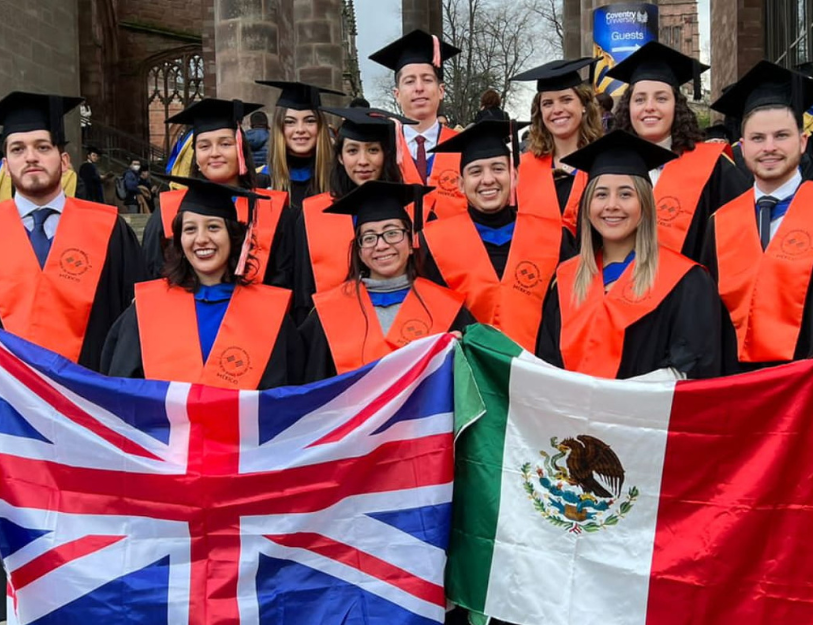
(135, 167)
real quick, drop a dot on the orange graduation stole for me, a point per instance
(536, 189)
(170, 345)
(268, 214)
(512, 304)
(354, 334)
(765, 291)
(446, 200)
(50, 306)
(592, 333)
(329, 239)
(678, 191)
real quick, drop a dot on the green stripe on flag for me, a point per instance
(478, 465)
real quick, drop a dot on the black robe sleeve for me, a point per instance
(123, 267)
(153, 243)
(319, 359)
(428, 266)
(547, 340)
(122, 353)
(304, 280)
(726, 183)
(462, 321)
(280, 269)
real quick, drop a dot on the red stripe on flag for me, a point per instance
(364, 562)
(388, 395)
(732, 543)
(55, 558)
(64, 406)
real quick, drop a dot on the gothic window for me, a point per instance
(172, 84)
(788, 31)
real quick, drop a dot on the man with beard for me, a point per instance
(759, 246)
(69, 265)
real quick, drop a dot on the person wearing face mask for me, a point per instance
(131, 186)
(70, 265)
(417, 60)
(704, 177)
(627, 305)
(206, 322)
(758, 246)
(222, 154)
(500, 257)
(299, 149)
(564, 118)
(384, 304)
(364, 150)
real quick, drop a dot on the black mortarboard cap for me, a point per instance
(415, 47)
(298, 95)
(92, 149)
(377, 200)
(486, 139)
(213, 114)
(367, 124)
(619, 152)
(766, 84)
(655, 61)
(556, 75)
(211, 198)
(718, 131)
(24, 112)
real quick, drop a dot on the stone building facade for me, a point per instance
(679, 27)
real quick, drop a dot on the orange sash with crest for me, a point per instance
(536, 189)
(765, 291)
(592, 333)
(354, 334)
(50, 306)
(170, 345)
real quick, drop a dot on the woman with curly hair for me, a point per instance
(384, 304)
(627, 306)
(564, 118)
(704, 177)
(207, 321)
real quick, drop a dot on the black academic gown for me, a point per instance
(683, 332)
(89, 175)
(279, 271)
(725, 183)
(320, 363)
(497, 253)
(123, 267)
(730, 362)
(122, 353)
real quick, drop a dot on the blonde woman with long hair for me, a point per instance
(626, 306)
(564, 118)
(300, 151)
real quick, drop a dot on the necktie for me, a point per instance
(764, 206)
(420, 162)
(39, 240)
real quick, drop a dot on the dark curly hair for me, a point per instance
(686, 132)
(179, 272)
(340, 183)
(246, 181)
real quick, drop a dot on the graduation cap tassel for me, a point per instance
(247, 241)
(56, 113)
(514, 160)
(241, 158)
(436, 58)
(698, 88)
(797, 94)
(417, 221)
(397, 134)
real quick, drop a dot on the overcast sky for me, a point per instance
(379, 22)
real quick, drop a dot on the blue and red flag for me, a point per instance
(144, 502)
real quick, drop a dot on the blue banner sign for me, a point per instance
(618, 31)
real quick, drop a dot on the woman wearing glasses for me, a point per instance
(383, 304)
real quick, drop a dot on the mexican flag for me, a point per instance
(580, 500)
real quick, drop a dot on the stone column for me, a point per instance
(424, 14)
(253, 41)
(737, 40)
(319, 54)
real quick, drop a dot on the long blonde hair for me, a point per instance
(646, 242)
(278, 161)
(540, 142)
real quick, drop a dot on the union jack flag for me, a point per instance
(133, 501)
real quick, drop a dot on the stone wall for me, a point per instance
(737, 39)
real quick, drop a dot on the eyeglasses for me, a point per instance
(391, 237)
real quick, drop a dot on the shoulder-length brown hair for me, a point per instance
(686, 131)
(278, 154)
(179, 272)
(646, 242)
(540, 140)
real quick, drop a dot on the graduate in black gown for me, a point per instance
(89, 254)
(384, 304)
(364, 150)
(207, 321)
(704, 177)
(299, 154)
(222, 154)
(626, 305)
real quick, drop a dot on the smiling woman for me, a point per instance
(207, 321)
